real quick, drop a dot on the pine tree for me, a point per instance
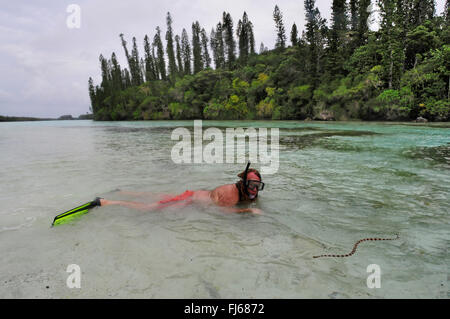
(315, 39)
(205, 53)
(155, 62)
(392, 49)
(150, 72)
(170, 49)
(217, 46)
(312, 32)
(337, 42)
(244, 32)
(262, 48)
(281, 34)
(447, 12)
(421, 10)
(92, 96)
(124, 45)
(363, 23)
(116, 73)
(196, 48)
(132, 63)
(126, 78)
(161, 64)
(339, 16)
(186, 52)
(137, 77)
(220, 44)
(142, 69)
(105, 84)
(213, 44)
(230, 44)
(294, 35)
(353, 15)
(179, 58)
(251, 37)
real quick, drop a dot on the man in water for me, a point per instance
(225, 196)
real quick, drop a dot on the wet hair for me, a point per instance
(250, 170)
(243, 195)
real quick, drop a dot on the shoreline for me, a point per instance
(412, 123)
(35, 119)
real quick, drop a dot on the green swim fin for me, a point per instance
(75, 212)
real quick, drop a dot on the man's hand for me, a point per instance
(256, 211)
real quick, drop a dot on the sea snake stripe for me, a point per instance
(356, 245)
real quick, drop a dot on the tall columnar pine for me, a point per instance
(294, 35)
(420, 11)
(213, 44)
(196, 48)
(393, 55)
(339, 25)
(280, 42)
(116, 74)
(186, 52)
(142, 69)
(170, 49)
(126, 78)
(161, 63)
(155, 61)
(315, 39)
(179, 56)
(353, 12)
(230, 44)
(150, 72)
(137, 77)
(92, 95)
(244, 33)
(447, 12)
(337, 38)
(364, 12)
(133, 64)
(353, 8)
(251, 37)
(105, 84)
(263, 48)
(218, 46)
(205, 52)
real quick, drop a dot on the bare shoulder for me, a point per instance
(225, 195)
(225, 188)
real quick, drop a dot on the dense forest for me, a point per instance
(338, 70)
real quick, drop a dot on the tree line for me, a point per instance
(333, 70)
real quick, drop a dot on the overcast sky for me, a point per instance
(46, 65)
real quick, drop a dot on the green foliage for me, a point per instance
(395, 104)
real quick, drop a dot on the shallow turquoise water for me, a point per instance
(336, 183)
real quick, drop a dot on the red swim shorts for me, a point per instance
(186, 195)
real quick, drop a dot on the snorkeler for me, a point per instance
(225, 196)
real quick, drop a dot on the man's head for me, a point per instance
(251, 183)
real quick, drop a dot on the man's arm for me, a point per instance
(242, 210)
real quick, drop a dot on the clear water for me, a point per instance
(337, 183)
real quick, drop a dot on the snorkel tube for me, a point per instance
(244, 179)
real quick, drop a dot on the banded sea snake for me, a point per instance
(356, 245)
